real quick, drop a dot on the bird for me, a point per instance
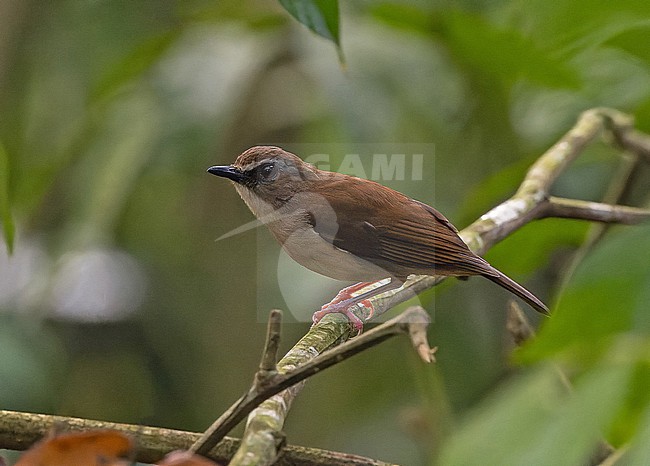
(353, 229)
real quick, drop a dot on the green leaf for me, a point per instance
(534, 420)
(406, 17)
(640, 452)
(571, 434)
(512, 415)
(642, 114)
(501, 51)
(321, 16)
(134, 64)
(505, 52)
(8, 227)
(634, 41)
(607, 296)
(631, 418)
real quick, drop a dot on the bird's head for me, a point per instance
(269, 173)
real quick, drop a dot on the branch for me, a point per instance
(413, 321)
(270, 354)
(517, 324)
(624, 135)
(19, 431)
(593, 211)
(530, 202)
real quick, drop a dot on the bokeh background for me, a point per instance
(117, 303)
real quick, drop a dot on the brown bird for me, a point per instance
(353, 229)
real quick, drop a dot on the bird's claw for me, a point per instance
(345, 308)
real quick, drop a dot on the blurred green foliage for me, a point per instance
(117, 303)
(8, 227)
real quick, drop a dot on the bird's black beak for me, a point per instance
(227, 172)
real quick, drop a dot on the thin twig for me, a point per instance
(621, 127)
(418, 334)
(594, 211)
(517, 324)
(616, 456)
(255, 395)
(270, 354)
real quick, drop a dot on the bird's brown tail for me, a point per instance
(514, 287)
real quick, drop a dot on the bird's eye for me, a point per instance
(267, 171)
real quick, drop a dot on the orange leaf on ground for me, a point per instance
(97, 447)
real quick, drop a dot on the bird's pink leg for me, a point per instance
(346, 293)
(343, 303)
(343, 307)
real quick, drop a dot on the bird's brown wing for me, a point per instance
(393, 231)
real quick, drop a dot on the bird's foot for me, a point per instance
(346, 300)
(344, 307)
(347, 293)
